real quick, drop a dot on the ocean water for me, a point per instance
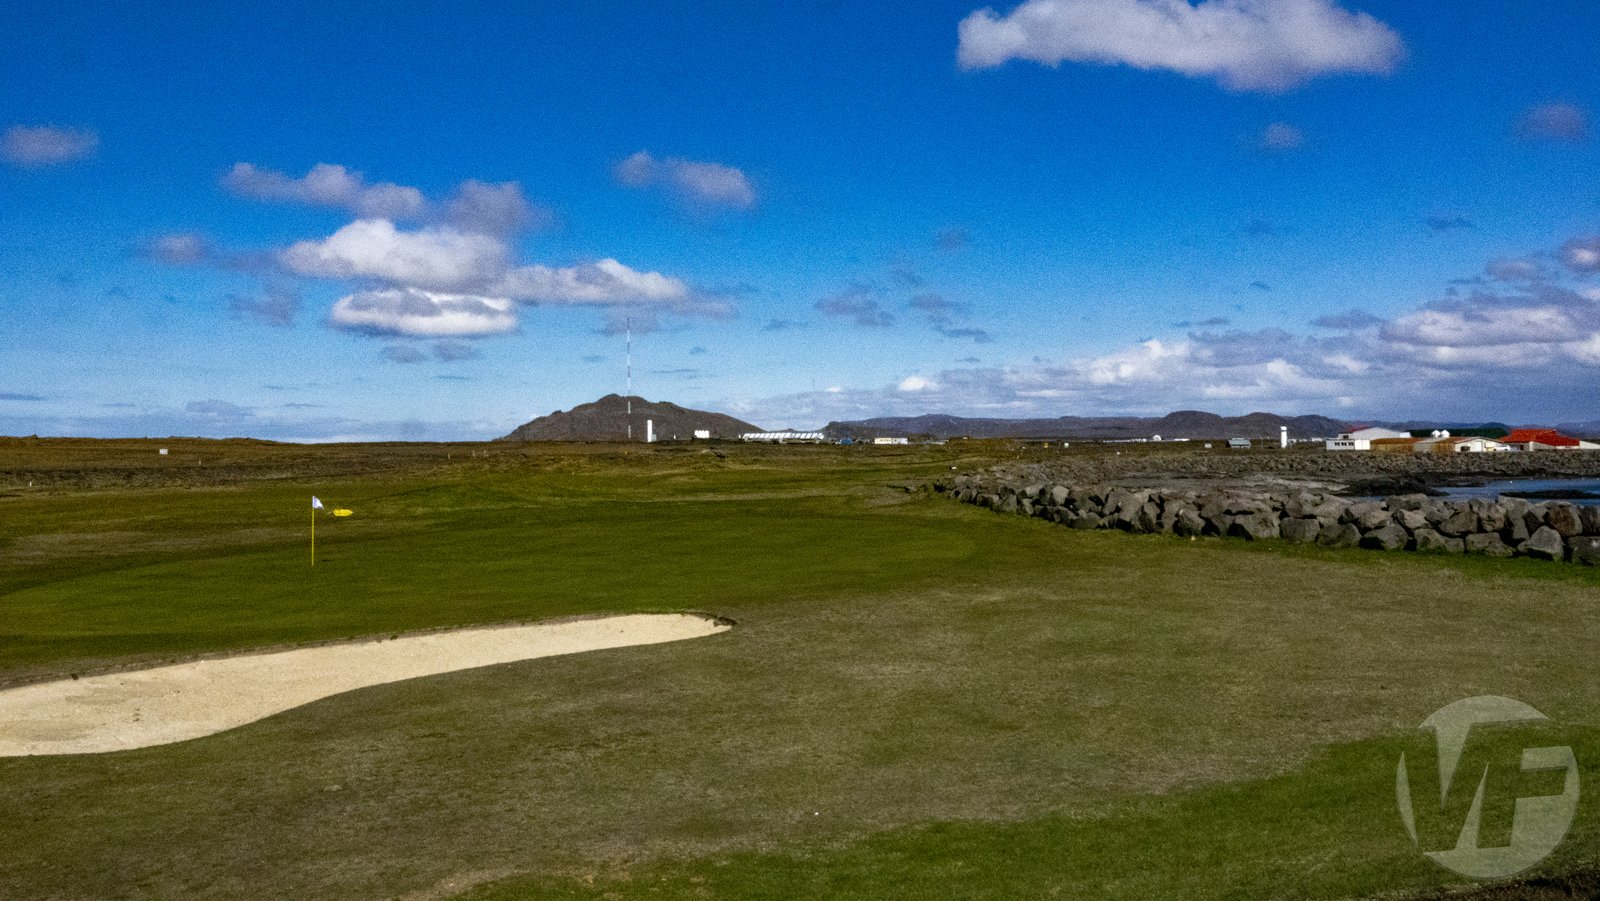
(1494, 489)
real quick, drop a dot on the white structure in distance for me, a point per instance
(781, 437)
(1361, 439)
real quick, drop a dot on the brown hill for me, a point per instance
(607, 419)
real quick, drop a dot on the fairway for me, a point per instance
(920, 698)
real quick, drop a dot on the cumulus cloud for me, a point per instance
(1256, 45)
(1529, 348)
(1542, 315)
(493, 209)
(412, 312)
(1554, 122)
(705, 183)
(1581, 255)
(327, 185)
(603, 282)
(858, 303)
(37, 146)
(1280, 137)
(274, 306)
(441, 259)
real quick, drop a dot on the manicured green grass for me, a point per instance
(920, 698)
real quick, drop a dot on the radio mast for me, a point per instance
(629, 321)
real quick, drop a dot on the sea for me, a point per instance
(1493, 490)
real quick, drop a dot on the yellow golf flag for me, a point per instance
(342, 512)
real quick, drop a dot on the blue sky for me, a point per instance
(421, 221)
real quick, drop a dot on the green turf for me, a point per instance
(920, 698)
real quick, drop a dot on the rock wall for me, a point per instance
(1553, 530)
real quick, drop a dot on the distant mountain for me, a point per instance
(607, 419)
(1182, 424)
(1590, 429)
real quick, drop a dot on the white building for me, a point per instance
(1361, 439)
(891, 441)
(783, 437)
(1462, 445)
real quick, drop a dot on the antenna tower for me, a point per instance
(629, 321)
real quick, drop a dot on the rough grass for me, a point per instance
(920, 699)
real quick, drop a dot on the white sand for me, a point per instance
(175, 703)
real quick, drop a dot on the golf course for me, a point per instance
(913, 698)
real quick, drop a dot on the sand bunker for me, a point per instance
(174, 703)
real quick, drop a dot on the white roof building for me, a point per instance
(1361, 439)
(781, 437)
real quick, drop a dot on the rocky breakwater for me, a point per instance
(1505, 527)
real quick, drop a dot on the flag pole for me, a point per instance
(313, 536)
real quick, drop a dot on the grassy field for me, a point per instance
(920, 699)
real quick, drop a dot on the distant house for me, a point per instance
(1545, 439)
(1404, 445)
(1459, 444)
(883, 440)
(1239, 443)
(1361, 439)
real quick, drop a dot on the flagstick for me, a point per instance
(313, 536)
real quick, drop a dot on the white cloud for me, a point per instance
(36, 146)
(328, 185)
(1555, 122)
(186, 249)
(604, 282)
(410, 312)
(710, 184)
(493, 209)
(1581, 254)
(1262, 45)
(1481, 326)
(1280, 137)
(440, 259)
(915, 383)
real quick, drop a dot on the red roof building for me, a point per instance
(1543, 439)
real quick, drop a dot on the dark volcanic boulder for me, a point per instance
(1544, 544)
(1487, 544)
(1300, 531)
(1254, 526)
(1339, 534)
(1431, 542)
(1585, 550)
(1411, 520)
(1188, 522)
(1386, 538)
(1564, 519)
(1460, 524)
